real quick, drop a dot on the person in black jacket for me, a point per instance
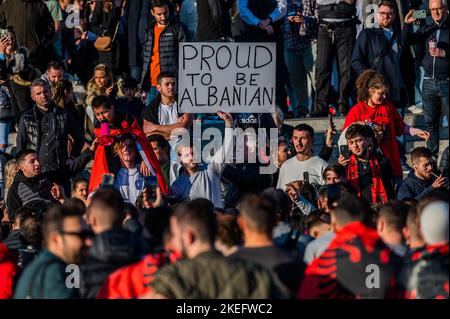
(422, 180)
(214, 21)
(367, 170)
(435, 63)
(161, 47)
(33, 25)
(443, 164)
(105, 18)
(245, 176)
(113, 247)
(29, 184)
(45, 128)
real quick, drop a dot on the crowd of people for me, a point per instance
(102, 194)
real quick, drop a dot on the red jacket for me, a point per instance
(388, 117)
(134, 280)
(8, 270)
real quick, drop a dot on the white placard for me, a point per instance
(227, 76)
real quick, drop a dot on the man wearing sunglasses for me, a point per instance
(48, 276)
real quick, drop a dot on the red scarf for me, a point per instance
(144, 148)
(378, 191)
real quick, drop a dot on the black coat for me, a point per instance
(169, 40)
(25, 190)
(29, 133)
(213, 20)
(369, 45)
(245, 178)
(110, 250)
(433, 67)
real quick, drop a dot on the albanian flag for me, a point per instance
(356, 265)
(143, 146)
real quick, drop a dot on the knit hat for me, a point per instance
(434, 223)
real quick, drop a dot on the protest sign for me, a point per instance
(231, 77)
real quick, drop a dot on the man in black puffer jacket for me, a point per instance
(161, 47)
(113, 247)
(45, 128)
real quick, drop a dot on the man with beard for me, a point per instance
(304, 161)
(368, 172)
(422, 180)
(203, 181)
(64, 240)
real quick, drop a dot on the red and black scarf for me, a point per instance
(144, 148)
(379, 194)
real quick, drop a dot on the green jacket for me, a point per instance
(45, 278)
(212, 276)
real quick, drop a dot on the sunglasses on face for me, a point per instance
(84, 234)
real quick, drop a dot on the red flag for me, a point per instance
(100, 166)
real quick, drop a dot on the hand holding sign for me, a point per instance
(227, 117)
(236, 77)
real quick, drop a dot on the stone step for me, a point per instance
(321, 124)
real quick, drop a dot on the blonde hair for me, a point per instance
(100, 67)
(11, 169)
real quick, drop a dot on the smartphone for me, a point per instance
(3, 33)
(150, 184)
(107, 179)
(292, 14)
(420, 14)
(331, 122)
(306, 177)
(344, 151)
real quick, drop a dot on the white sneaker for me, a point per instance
(414, 109)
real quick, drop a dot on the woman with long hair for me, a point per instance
(375, 110)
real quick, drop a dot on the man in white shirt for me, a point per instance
(304, 162)
(162, 117)
(203, 180)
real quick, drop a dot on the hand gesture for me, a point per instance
(109, 90)
(424, 135)
(4, 43)
(144, 170)
(227, 117)
(409, 17)
(440, 182)
(58, 193)
(158, 202)
(331, 133)
(343, 161)
(94, 145)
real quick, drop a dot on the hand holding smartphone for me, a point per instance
(345, 152)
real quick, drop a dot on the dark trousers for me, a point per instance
(435, 98)
(336, 43)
